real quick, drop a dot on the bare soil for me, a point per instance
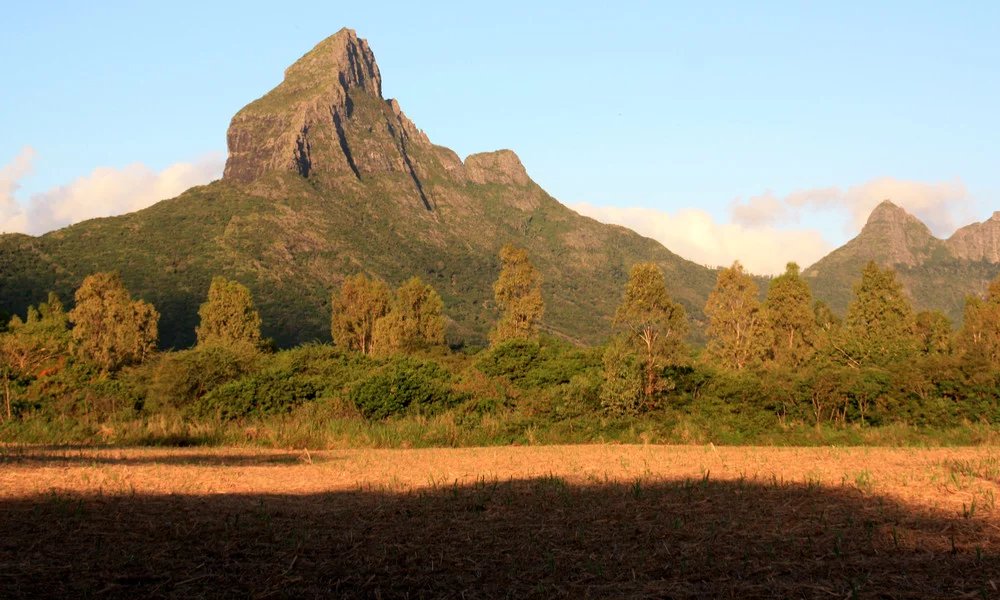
(555, 521)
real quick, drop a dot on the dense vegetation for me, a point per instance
(785, 370)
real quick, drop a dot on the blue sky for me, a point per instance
(798, 112)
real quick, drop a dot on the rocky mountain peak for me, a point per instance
(895, 236)
(343, 58)
(978, 241)
(327, 122)
(889, 213)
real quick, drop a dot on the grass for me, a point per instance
(323, 425)
(983, 468)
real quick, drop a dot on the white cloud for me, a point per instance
(12, 217)
(942, 206)
(104, 192)
(765, 209)
(695, 235)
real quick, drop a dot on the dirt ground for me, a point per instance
(564, 521)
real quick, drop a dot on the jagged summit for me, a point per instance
(978, 241)
(888, 213)
(894, 236)
(327, 121)
(343, 58)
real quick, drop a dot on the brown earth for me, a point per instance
(565, 521)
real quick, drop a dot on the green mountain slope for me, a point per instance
(325, 178)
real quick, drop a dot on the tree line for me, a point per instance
(788, 351)
(796, 348)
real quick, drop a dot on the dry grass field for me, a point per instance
(556, 521)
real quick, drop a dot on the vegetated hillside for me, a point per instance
(937, 274)
(325, 178)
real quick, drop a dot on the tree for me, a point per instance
(790, 318)
(415, 319)
(518, 294)
(109, 328)
(880, 327)
(934, 333)
(228, 315)
(621, 391)
(736, 324)
(32, 347)
(653, 323)
(359, 304)
(980, 332)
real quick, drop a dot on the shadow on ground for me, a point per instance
(517, 539)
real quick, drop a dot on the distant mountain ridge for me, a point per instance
(978, 241)
(937, 273)
(326, 178)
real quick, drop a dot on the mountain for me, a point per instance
(978, 241)
(326, 178)
(938, 274)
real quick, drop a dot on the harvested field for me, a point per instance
(557, 521)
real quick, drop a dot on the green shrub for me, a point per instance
(269, 393)
(404, 385)
(78, 390)
(339, 370)
(485, 394)
(319, 359)
(621, 391)
(559, 363)
(512, 359)
(538, 364)
(578, 399)
(183, 378)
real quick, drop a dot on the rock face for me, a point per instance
(896, 237)
(327, 120)
(978, 241)
(502, 167)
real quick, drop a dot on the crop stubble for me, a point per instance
(567, 521)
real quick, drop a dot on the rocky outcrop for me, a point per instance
(501, 167)
(896, 237)
(978, 241)
(327, 121)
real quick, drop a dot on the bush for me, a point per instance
(338, 369)
(78, 390)
(536, 365)
(485, 394)
(621, 392)
(512, 359)
(183, 378)
(269, 393)
(577, 399)
(404, 385)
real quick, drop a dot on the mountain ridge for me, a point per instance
(937, 273)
